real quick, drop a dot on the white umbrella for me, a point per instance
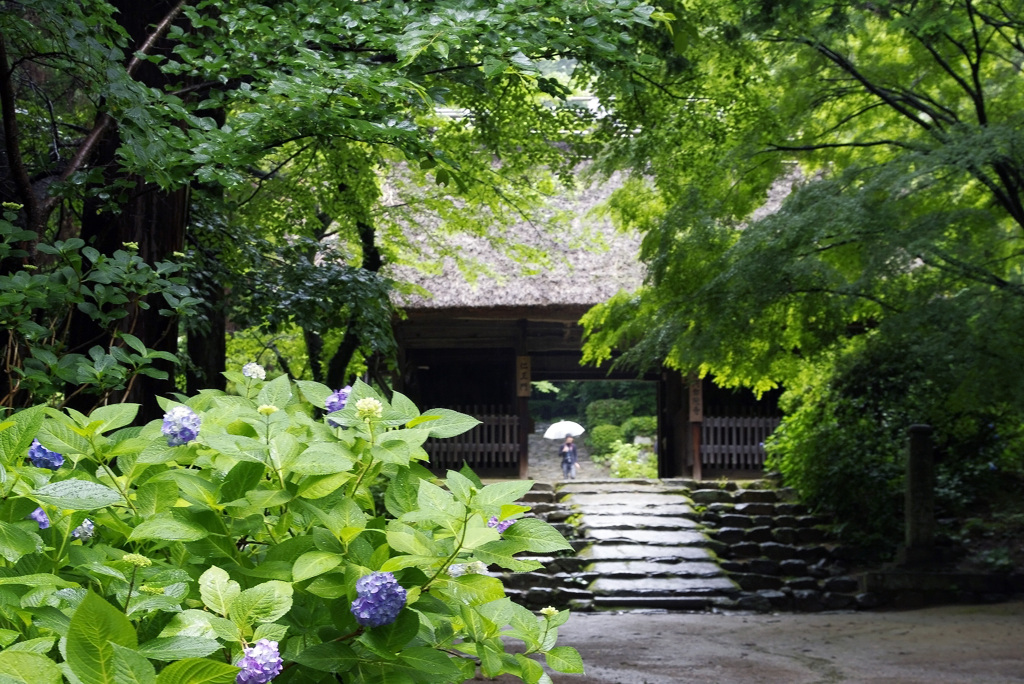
(563, 429)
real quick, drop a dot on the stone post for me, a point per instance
(920, 497)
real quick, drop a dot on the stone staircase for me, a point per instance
(683, 545)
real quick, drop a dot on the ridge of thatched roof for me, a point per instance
(578, 274)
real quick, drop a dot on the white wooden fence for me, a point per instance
(734, 442)
(492, 444)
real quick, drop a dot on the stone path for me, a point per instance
(546, 463)
(645, 547)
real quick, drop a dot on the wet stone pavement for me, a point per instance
(677, 544)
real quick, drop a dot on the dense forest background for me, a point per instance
(171, 169)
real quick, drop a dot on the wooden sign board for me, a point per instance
(696, 399)
(523, 387)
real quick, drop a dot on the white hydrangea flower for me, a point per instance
(368, 407)
(255, 371)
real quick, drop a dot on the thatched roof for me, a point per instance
(578, 273)
(590, 259)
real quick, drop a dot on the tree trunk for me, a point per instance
(372, 261)
(153, 218)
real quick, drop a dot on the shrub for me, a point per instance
(842, 442)
(646, 426)
(608, 412)
(629, 460)
(243, 529)
(38, 307)
(601, 440)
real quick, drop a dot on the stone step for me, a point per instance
(609, 485)
(666, 511)
(689, 603)
(634, 500)
(663, 586)
(645, 568)
(636, 522)
(655, 537)
(653, 552)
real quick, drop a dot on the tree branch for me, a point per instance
(104, 120)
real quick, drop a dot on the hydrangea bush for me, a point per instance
(237, 540)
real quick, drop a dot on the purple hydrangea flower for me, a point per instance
(39, 515)
(380, 600)
(337, 401)
(261, 663)
(84, 531)
(181, 425)
(500, 525)
(41, 457)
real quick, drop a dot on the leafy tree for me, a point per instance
(120, 118)
(894, 128)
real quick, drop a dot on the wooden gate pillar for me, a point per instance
(696, 387)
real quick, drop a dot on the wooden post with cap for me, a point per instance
(696, 390)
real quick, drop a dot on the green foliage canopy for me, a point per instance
(894, 128)
(832, 190)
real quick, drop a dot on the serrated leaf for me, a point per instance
(178, 647)
(16, 542)
(38, 580)
(96, 626)
(404, 406)
(40, 645)
(314, 392)
(501, 553)
(314, 563)
(29, 668)
(218, 590)
(328, 657)
(449, 423)
(62, 438)
(536, 535)
(17, 437)
(392, 451)
(132, 668)
(198, 671)
(501, 493)
(263, 603)
(114, 416)
(77, 495)
(460, 485)
(430, 661)
(325, 458)
(564, 659)
(174, 525)
(277, 392)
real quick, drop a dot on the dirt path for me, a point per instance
(947, 645)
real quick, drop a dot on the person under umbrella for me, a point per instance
(570, 459)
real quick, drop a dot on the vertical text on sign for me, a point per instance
(523, 376)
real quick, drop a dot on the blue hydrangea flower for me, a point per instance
(41, 457)
(84, 531)
(255, 371)
(336, 402)
(39, 515)
(181, 425)
(380, 600)
(500, 525)
(261, 663)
